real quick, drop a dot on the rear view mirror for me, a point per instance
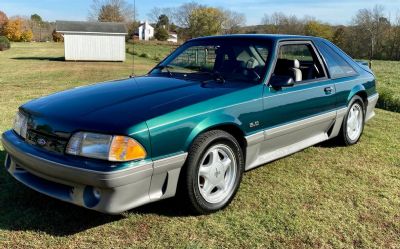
(279, 81)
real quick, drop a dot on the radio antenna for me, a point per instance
(133, 39)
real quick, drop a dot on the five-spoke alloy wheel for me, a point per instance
(217, 173)
(353, 123)
(213, 171)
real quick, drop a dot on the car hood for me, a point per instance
(117, 105)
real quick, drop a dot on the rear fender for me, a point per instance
(356, 90)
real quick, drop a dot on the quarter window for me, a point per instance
(338, 67)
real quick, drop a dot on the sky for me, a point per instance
(332, 11)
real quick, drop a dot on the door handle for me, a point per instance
(328, 90)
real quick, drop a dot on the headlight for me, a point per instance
(20, 124)
(106, 147)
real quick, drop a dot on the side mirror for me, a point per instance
(279, 81)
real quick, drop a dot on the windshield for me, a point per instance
(217, 59)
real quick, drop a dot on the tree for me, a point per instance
(339, 37)
(36, 18)
(184, 12)
(57, 37)
(3, 18)
(205, 21)
(3, 21)
(163, 21)
(162, 27)
(278, 22)
(161, 34)
(132, 29)
(315, 28)
(26, 36)
(373, 23)
(13, 29)
(17, 30)
(111, 11)
(36, 25)
(233, 21)
(156, 12)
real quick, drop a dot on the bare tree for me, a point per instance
(156, 12)
(184, 12)
(278, 22)
(373, 22)
(111, 11)
(3, 20)
(233, 21)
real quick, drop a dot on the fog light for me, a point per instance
(91, 196)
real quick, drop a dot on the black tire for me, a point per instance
(343, 137)
(189, 187)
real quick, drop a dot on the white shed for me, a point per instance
(146, 31)
(93, 41)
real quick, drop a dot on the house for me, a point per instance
(173, 37)
(93, 41)
(146, 31)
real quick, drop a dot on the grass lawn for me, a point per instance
(388, 75)
(322, 197)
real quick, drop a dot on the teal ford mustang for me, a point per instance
(214, 108)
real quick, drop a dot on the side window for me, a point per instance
(338, 67)
(298, 61)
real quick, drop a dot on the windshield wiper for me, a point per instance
(161, 67)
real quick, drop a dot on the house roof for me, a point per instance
(90, 27)
(146, 25)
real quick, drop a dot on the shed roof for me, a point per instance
(90, 27)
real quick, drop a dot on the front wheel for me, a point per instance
(213, 172)
(353, 123)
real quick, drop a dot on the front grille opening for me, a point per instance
(47, 142)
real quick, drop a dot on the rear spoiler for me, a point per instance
(366, 65)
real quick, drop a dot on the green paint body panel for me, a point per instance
(166, 114)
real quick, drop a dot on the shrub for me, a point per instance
(4, 43)
(145, 55)
(157, 58)
(57, 37)
(161, 34)
(388, 100)
(13, 30)
(27, 36)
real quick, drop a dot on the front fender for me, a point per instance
(209, 123)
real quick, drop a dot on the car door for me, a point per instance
(297, 113)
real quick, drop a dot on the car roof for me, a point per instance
(270, 37)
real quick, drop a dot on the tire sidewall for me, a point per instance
(196, 156)
(347, 139)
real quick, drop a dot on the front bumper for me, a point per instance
(105, 191)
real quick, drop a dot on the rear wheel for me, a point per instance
(353, 122)
(213, 172)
